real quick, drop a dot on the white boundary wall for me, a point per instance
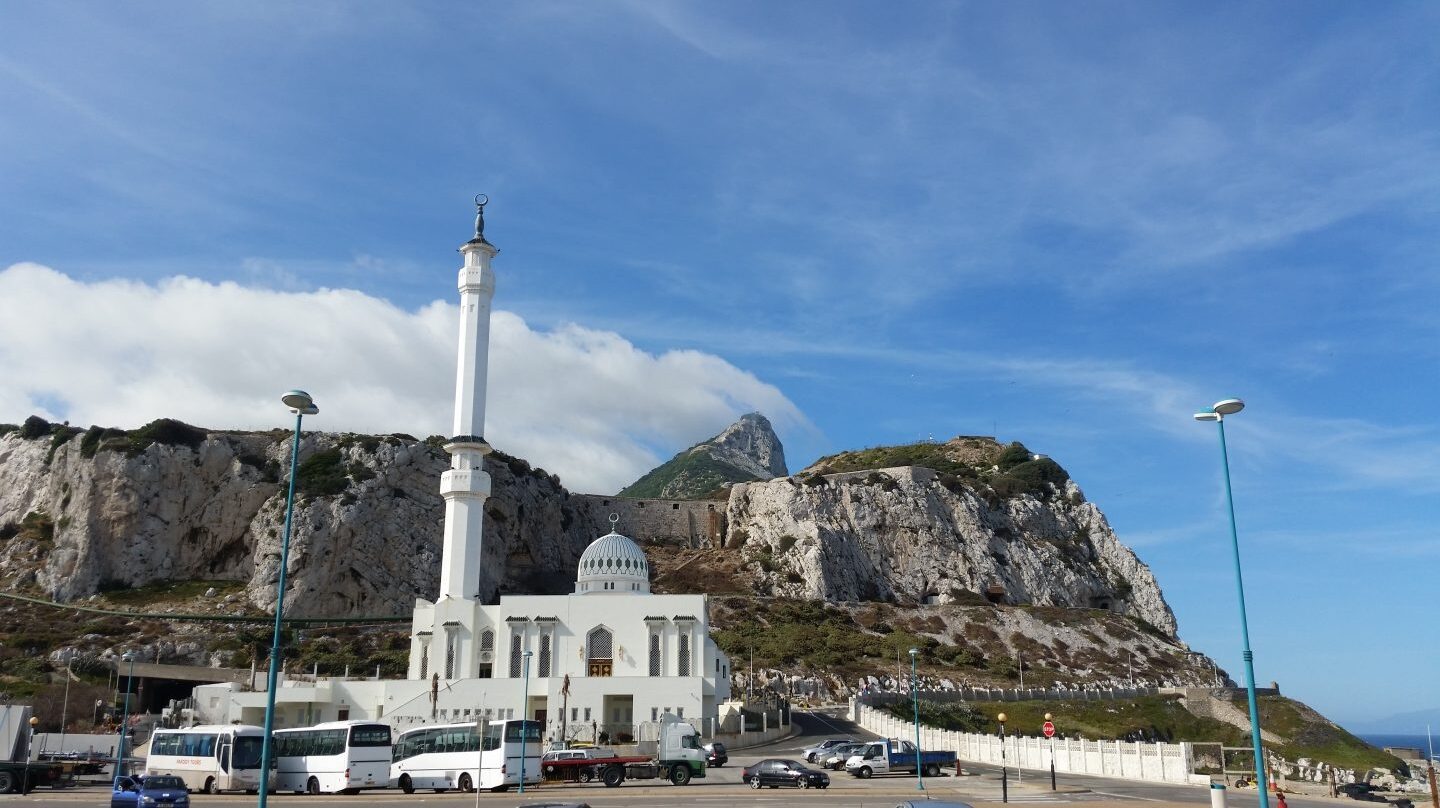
(1160, 762)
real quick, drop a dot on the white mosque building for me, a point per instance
(610, 658)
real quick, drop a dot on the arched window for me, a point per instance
(654, 654)
(598, 644)
(515, 656)
(544, 655)
(684, 655)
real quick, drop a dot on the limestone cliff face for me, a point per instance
(901, 534)
(72, 524)
(78, 516)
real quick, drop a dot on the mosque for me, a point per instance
(604, 663)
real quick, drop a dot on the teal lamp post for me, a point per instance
(524, 726)
(125, 721)
(915, 697)
(1217, 413)
(302, 405)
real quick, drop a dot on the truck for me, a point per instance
(17, 773)
(678, 759)
(892, 756)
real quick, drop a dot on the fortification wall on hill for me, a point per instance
(692, 523)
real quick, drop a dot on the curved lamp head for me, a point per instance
(913, 652)
(127, 657)
(300, 401)
(1229, 406)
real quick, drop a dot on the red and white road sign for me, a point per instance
(1049, 729)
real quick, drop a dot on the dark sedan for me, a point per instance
(715, 755)
(776, 772)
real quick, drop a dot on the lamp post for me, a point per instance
(915, 697)
(1051, 732)
(64, 707)
(524, 710)
(302, 405)
(1217, 413)
(1004, 770)
(29, 750)
(125, 721)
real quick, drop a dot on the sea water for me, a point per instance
(1383, 740)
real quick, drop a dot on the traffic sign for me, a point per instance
(1049, 729)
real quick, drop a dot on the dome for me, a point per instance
(613, 564)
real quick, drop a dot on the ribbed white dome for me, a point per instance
(613, 564)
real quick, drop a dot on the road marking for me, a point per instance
(1127, 796)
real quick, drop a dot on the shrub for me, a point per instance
(786, 542)
(6, 429)
(1012, 455)
(322, 474)
(34, 427)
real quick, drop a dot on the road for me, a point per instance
(979, 785)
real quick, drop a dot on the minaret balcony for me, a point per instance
(474, 482)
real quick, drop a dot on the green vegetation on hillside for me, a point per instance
(701, 473)
(979, 464)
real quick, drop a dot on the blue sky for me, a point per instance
(1071, 225)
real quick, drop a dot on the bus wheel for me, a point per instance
(680, 775)
(312, 786)
(210, 787)
(406, 784)
(613, 776)
(465, 784)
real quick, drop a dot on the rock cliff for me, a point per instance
(747, 450)
(100, 510)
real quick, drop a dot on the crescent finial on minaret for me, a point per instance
(481, 200)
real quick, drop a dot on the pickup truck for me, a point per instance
(891, 756)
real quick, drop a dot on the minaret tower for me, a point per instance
(466, 486)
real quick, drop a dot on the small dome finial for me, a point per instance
(481, 200)
(614, 520)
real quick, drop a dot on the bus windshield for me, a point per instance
(246, 754)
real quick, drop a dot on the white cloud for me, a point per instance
(585, 404)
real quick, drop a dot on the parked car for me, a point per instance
(776, 772)
(157, 789)
(582, 773)
(812, 753)
(835, 756)
(715, 755)
(933, 804)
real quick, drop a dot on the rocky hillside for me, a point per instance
(964, 532)
(747, 450)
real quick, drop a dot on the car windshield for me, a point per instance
(164, 782)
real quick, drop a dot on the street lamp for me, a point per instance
(524, 710)
(65, 705)
(29, 750)
(302, 405)
(125, 721)
(1050, 731)
(1004, 770)
(1217, 413)
(915, 697)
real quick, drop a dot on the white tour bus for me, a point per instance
(339, 756)
(209, 758)
(461, 756)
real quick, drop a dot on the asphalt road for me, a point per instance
(722, 788)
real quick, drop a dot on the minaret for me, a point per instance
(465, 486)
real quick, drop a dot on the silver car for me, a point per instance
(835, 756)
(812, 753)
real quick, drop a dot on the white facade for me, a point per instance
(629, 656)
